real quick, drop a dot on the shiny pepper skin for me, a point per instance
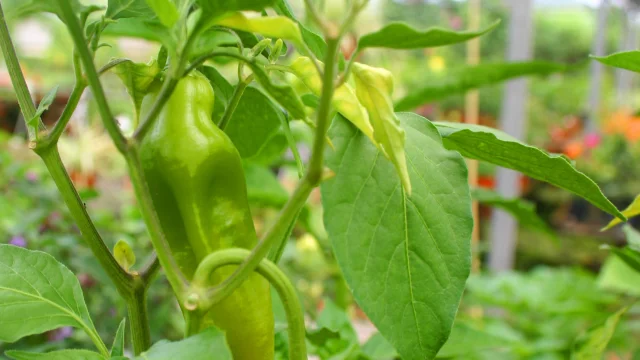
(197, 184)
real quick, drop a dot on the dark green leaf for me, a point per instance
(314, 41)
(591, 346)
(402, 36)
(406, 259)
(263, 186)
(38, 294)
(493, 146)
(117, 349)
(56, 355)
(628, 60)
(284, 94)
(253, 122)
(197, 347)
(472, 77)
(120, 9)
(310, 100)
(221, 87)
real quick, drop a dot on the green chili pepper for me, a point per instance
(197, 184)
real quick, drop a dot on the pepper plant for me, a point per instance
(397, 205)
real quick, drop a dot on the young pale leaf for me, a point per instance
(591, 346)
(628, 60)
(314, 41)
(269, 26)
(38, 294)
(121, 9)
(137, 79)
(494, 146)
(472, 77)
(524, 211)
(197, 347)
(402, 36)
(344, 99)
(117, 349)
(165, 10)
(406, 259)
(219, 7)
(47, 100)
(56, 355)
(374, 87)
(124, 255)
(632, 210)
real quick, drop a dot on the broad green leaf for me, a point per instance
(211, 39)
(165, 10)
(471, 77)
(222, 89)
(406, 259)
(403, 36)
(23, 8)
(378, 348)
(616, 275)
(524, 211)
(282, 93)
(494, 146)
(197, 347)
(56, 355)
(124, 255)
(628, 60)
(46, 101)
(314, 41)
(137, 79)
(631, 211)
(263, 186)
(143, 28)
(591, 346)
(253, 122)
(344, 99)
(121, 9)
(38, 294)
(374, 87)
(219, 7)
(269, 26)
(117, 349)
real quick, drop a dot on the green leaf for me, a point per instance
(23, 8)
(632, 210)
(378, 348)
(122, 9)
(468, 339)
(314, 41)
(219, 7)
(263, 186)
(117, 349)
(137, 79)
(165, 10)
(591, 346)
(268, 26)
(253, 122)
(471, 77)
(211, 39)
(494, 146)
(633, 237)
(38, 294)
(222, 89)
(406, 259)
(124, 255)
(47, 100)
(335, 337)
(142, 28)
(197, 347)
(373, 88)
(616, 275)
(402, 36)
(56, 355)
(524, 211)
(282, 93)
(628, 60)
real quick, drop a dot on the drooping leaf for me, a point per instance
(122, 9)
(406, 259)
(403, 36)
(314, 41)
(137, 79)
(591, 346)
(524, 211)
(165, 10)
(124, 255)
(38, 294)
(632, 210)
(496, 147)
(278, 27)
(197, 347)
(471, 77)
(263, 186)
(117, 349)
(56, 355)
(374, 87)
(253, 122)
(628, 60)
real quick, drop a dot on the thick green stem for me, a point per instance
(139, 320)
(71, 106)
(235, 100)
(165, 93)
(271, 272)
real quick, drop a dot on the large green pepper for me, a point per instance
(197, 184)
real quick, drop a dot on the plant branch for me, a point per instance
(69, 108)
(150, 270)
(271, 272)
(168, 86)
(235, 100)
(139, 320)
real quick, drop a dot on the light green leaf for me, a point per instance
(591, 346)
(468, 339)
(253, 122)
(263, 186)
(282, 93)
(143, 28)
(23, 8)
(471, 77)
(406, 259)
(124, 255)
(314, 41)
(616, 275)
(46, 101)
(374, 87)
(222, 89)
(197, 347)
(628, 60)
(117, 349)
(121, 9)
(378, 348)
(219, 7)
(165, 10)
(524, 211)
(403, 36)
(38, 294)
(269, 26)
(494, 146)
(56, 355)
(632, 210)
(137, 79)
(633, 237)
(335, 337)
